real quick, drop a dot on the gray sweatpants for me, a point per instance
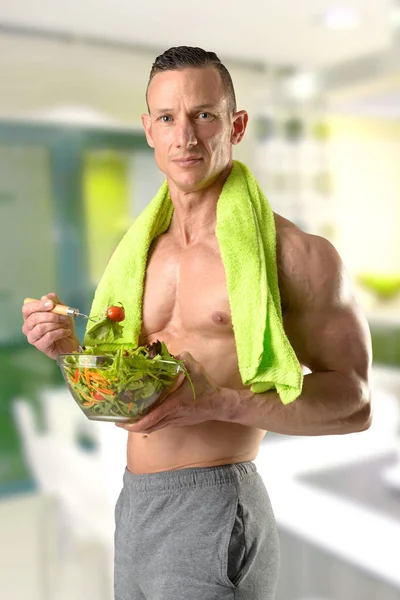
(196, 534)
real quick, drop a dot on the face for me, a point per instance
(191, 127)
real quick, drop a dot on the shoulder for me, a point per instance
(310, 269)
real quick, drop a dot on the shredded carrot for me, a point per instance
(130, 406)
(97, 377)
(105, 391)
(77, 376)
(89, 383)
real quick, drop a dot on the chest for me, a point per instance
(185, 288)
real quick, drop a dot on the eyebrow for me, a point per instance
(198, 107)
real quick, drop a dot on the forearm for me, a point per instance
(329, 404)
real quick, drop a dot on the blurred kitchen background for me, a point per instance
(321, 83)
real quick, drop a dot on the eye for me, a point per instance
(204, 116)
(165, 119)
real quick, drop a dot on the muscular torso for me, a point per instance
(186, 305)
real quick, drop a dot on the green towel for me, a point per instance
(247, 240)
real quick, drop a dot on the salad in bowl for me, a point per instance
(122, 384)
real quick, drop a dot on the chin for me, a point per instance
(189, 181)
(189, 186)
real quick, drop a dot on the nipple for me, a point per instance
(220, 318)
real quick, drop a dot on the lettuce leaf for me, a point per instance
(105, 331)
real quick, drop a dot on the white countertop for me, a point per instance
(355, 532)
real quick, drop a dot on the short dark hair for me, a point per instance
(181, 57)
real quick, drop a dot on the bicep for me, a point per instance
(331, 339)
(323, 321)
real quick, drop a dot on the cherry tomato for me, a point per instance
(116, 313)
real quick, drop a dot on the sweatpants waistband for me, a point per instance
(183, 479)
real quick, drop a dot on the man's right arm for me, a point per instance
(50, 333)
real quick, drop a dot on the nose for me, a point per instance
(185, 133)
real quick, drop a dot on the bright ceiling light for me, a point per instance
(395, 16)
(341, 18)
(302, 86)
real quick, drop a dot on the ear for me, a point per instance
(146, 122)
(239, 125)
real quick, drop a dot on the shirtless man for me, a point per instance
(194, 520)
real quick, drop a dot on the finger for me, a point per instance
(140, 426)
(192, 365)
(133, 427)
(43, 320)
(40, 318)
(51, 330)
(51, 338)
(151, 419)
(167, 422)
(53, 297)
(126, 426)
(39, 330)
(32, 307)
(185, 356)
(45, 304)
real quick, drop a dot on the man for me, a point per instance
(194, 520)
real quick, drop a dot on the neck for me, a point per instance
(195, 213)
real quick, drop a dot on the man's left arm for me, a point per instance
(330, 336)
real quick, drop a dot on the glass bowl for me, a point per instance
(116, 388)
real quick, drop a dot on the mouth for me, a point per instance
(188, 161)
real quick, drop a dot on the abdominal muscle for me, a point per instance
(207, 444)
